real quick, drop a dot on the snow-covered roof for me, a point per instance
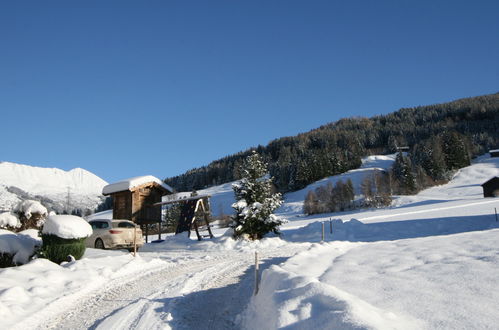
(494, 150)
(131, 183)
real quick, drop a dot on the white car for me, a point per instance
(114, 234)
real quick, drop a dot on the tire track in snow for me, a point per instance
(201, 294)
(93, 309)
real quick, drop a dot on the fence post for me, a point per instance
(322, 231)
(330, 226)
(495, 210)
(257, 282)
(134, 240)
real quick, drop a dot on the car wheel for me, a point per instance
(99, 244)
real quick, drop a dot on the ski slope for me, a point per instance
(428, 262)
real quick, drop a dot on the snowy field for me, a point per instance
(428, 262)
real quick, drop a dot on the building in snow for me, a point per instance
(133, 198)
(491, 187)
(494, 153)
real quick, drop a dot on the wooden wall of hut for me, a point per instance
(142, 201)
(122, 205)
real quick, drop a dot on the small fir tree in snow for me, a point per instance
(255, 201)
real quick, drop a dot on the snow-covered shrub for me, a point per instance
(64, 235)
(256, 201)
(16, 249)
(32, 214)
(9, 220)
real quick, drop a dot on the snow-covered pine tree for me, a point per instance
(255, 201)
(402, 172)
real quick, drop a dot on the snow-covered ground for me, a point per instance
(428, 262)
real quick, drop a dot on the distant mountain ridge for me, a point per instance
(59, 190)
(428, 131)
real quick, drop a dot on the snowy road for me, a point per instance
(205, 293)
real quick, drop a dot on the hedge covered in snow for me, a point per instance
(64, 235)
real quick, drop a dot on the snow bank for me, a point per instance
(292, 296)
(29, 207)
(32, 233)
(32, 293)
(223, 243)
(9, 219)
(132, 183)
(21, 247)
(419, 283)
(67, 226)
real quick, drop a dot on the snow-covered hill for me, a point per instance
(466, 184)
(222, 196)
(50, 185)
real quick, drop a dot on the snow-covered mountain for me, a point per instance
(57, 189)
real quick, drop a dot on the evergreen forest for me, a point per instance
(439, 139)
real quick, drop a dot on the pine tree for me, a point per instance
(255, 201)
(402, 172)
(455, 151)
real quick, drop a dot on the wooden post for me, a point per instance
(197, 229)
(257, 282)
(330, 226)
(134, 240)
(495, 209)
(159, 238)
(205, 217)
(322, 232)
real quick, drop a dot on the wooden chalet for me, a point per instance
(133, 199)
(491, 187)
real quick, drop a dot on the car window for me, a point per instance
(99, 224)
(125, 224)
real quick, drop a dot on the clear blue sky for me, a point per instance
(129, 88)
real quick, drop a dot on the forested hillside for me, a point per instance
(440, 138)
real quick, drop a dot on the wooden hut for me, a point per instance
(133, 199)
(491, 187)
(494, 153)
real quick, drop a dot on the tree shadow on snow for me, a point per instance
(422, 203)
(357, 231)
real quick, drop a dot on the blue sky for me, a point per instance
(129, 88)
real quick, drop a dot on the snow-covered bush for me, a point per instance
(9, 220)
(64, 235)
(256, 201)
(16, 249)
(32, 214)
